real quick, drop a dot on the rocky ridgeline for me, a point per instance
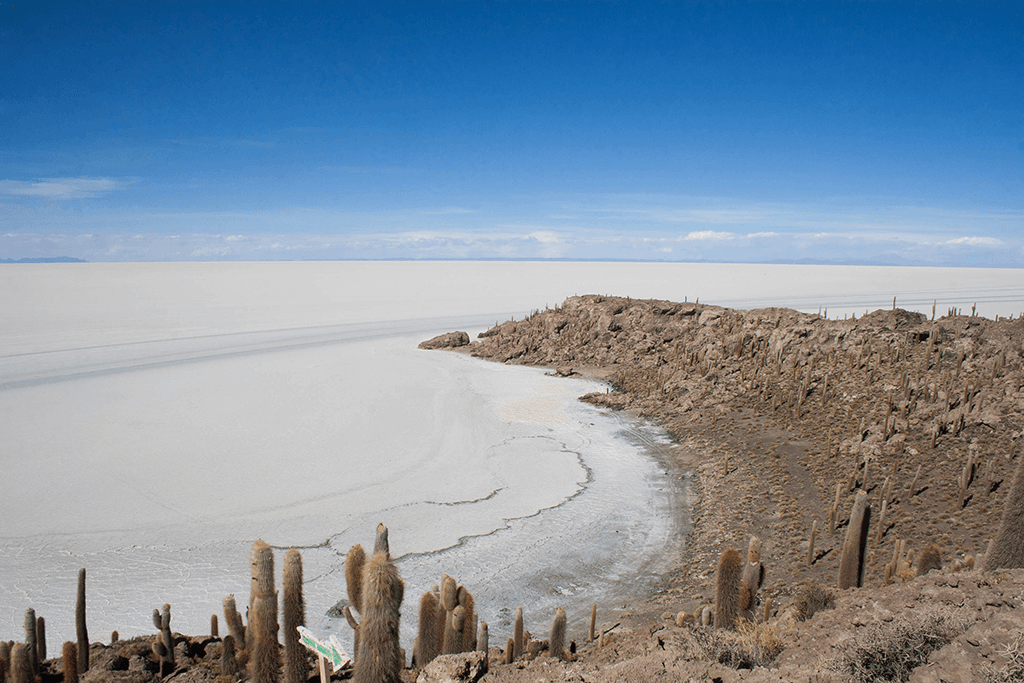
(875, 397)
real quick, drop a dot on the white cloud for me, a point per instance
(709, 235)
(61, 188)
(976, 241)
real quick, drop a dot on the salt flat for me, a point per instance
(157, 418)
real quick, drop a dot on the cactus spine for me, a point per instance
(294, 616)
(556, 643)
(379, 658)
(851, 565)
(727, 589)
(262, 648)
(82, 632)
(69, 656)
(1007, 549)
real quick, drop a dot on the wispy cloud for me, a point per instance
(708, 235)
(976, 241)
(61, 188)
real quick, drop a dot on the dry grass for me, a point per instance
(750, 645)
(890, 651)
(1014, 669)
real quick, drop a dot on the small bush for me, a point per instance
(811, 598)
(750, 645)
(890, 651)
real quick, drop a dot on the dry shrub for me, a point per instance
(890, 651)
(811, 597)
(750, 645)
(1014, 669)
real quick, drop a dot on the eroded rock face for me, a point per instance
(448, 340)
(466, 667)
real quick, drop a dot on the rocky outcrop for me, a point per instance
(448, 340)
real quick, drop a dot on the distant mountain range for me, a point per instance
(44, 259)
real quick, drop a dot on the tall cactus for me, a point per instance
(427, 636)
(517, 637)
(294, 616)
(1006, 551)
(851, 564)
(262, 647)
(40, 639)
(355, 563)
(163, 647)
(727, 589)
(82, 632)
(21, 664)
(30, 640)
(379, 659)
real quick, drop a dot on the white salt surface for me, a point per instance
(157, 418)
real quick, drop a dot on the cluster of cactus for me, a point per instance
(447, 622)
(375, 592)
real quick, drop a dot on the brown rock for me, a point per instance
(448, 340)
(465, 667)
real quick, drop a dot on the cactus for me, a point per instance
(236, 629)
(1007, 549)
(164, 646)
(355, 563)
(82, 632)
(69, 655)
(40, 639)
(214, 628)
(556, 643)
(379, 659)
(767, 609)
(753, 575)
(228, 662)
(851, 564)
(469, 629)
(114, 637)
(427, 636)
(517, 635)
(810, 544)
(294, 616)
(727, 589)
(593, 621)
(21, 664)
(30, 640)
(483, 640)
(510, 647)
(264, 665)
(928, 559)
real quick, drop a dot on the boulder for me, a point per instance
(465, 667)
(448, 340)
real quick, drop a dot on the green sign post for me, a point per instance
(330, 651)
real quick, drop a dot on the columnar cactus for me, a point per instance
(556, 643)
(294, 616)
(236, 629)
(851, 564)
(727, 589)
(262, 647)
(427, 636)
(82, 632)
(1007, 549)
(163, 647)
(69, 655)
(379, 659)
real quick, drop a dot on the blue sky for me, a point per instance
(871, 132)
